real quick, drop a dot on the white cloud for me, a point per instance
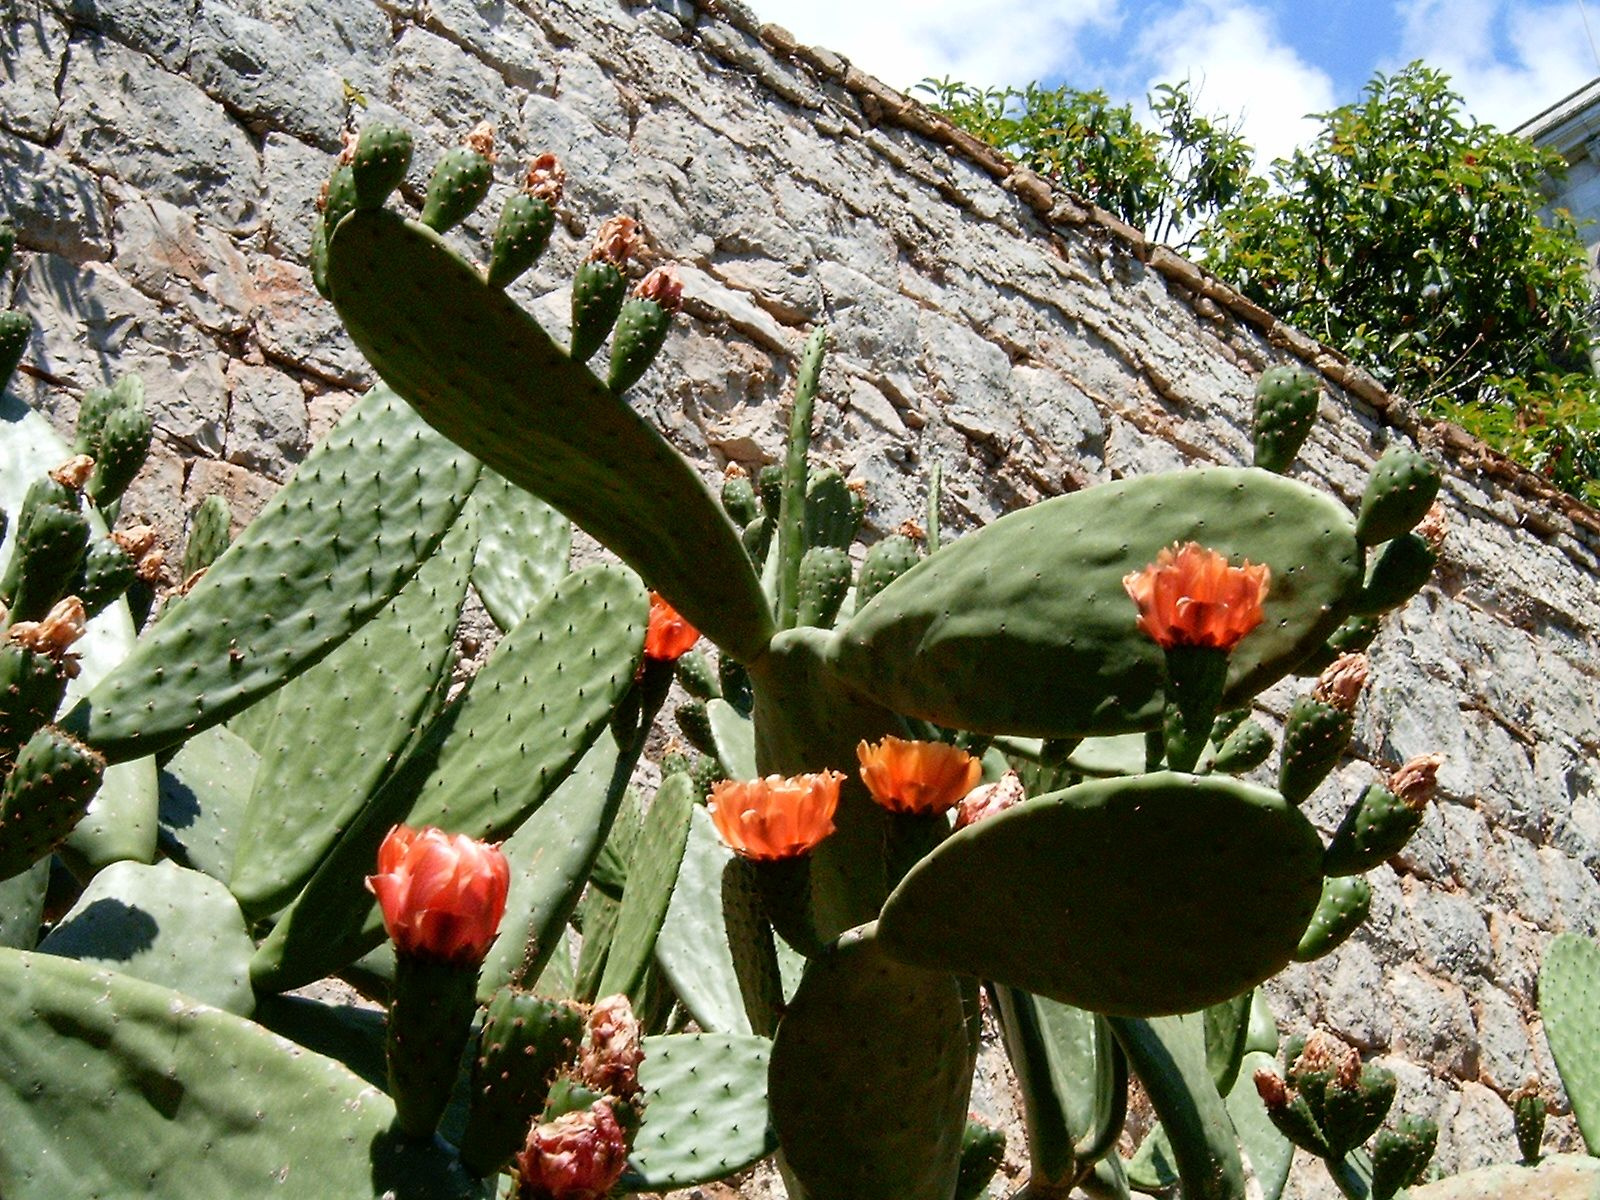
(1508, 59)
(1242, 68)
(983, 42)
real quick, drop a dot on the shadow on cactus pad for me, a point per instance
(1139, 897)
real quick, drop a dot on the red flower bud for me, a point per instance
(668, 637)
(578, 1156)
(442, 895)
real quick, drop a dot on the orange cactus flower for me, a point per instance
(917, 777)
(668, 637)
(442, 894)
(1190, 596)
(774, 818)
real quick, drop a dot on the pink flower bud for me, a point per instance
(663, 286)
(1340, 683)
(547, 179)
(74, 473)
(1271, 1089)
(442, 895)
(578, 1156)
(984, 802)
(1415, 783)
(617, 241)
(610, 1062)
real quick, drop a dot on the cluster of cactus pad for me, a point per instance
(1114, 901)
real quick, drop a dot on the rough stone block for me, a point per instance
(159, 28)
(170, 257)
(55, 206)
(268, 429)
(33, 47)
(263, 77)
(122, 115)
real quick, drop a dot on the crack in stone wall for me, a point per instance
(161, 159)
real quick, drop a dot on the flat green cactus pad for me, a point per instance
(1569, 1002)
(705, 1113)
(523, 546)
(1024, 626)
(1558, 1177)
(205, 788)
(358, 519)
(1156, 894)
(870, 1076)
(485, 767)
(486, 375)
(164, 924)
(111, 1086)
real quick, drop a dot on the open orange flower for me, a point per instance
(917, 777)
(442, 894)
(668, 637)
(774, 818)
(1190, 596)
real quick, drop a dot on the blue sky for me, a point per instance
(1267, 62)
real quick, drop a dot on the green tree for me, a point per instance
(1165, 180)
(1407, 234)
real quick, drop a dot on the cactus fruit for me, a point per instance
(108, 571)
(1529, 1108)
(524, 1041)
(824, 580)
(379, 158)
(1352, 637)
(695, 725)
(739, 499)
(8, 245)
(526, 221)
(1346, 901)
(834, 510)
(885, 562)
(15, 330)
(338, 198)
(1398, 573)
(49, 554)
(459, 182)
(209, 535)
(124, 444)
(1401, 490)
(983, 1149)
(1286, 407)
(641, 327)
(1318, 727)
(1383, 819)
(36, 662)
(599, 286)
(1401, 1155)
(1245, 749)
(45, 794)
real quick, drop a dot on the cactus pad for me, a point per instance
(163, 924)
(361, 514)
(46, 792)
(1558, 1177)
(481, 371)
(1569, 1002)
(1345, 902)
(1402, 487)
(1286, 407)
(651, 877)
(705, 1113)
(1024, 626)
(128, 1088)
(523, 548)
(1156, 894)
(870, 1076)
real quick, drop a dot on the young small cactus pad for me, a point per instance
(1157, 894)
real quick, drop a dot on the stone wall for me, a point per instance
(161, 158)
